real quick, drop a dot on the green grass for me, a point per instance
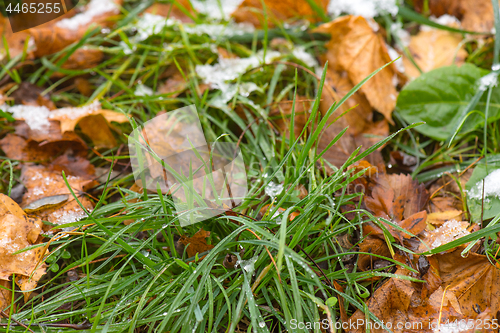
(132, 279)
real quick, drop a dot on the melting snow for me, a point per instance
(300, 53)
(489, 80)
(398, 63)
(75, 113)
(448, 232)
(491, 187)
(36, 117)
(402, 34)
(214, 10)
(93, 10)
(365, 8)
(273, 190)
(150, 24)
(228, 70)
(217, 30)
(143, 90)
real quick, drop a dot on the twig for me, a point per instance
(16, 321)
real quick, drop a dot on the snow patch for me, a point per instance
(300, 53)
(403, 35)
(76, 113)
(395, 55)
(216, 9)
(94, 9)
(142, 90)
(218, 75)
(365, 8)
(448, 232)
(273, 190)
(491, 187)
(36, 117)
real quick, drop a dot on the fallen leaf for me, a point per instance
(18, 231)
(73, 165)
(5, 294)
(173, 10)
(440, 217)
(474, 15)
(197, 243)
(30, 94)
(57, 35)
(18, 148)
(97, 129)
(432, 49)
(251, 11)
(356, 49)
(41, 182)
(15, 42)
(70, 117)
(282, 112)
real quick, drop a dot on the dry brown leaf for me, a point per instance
(173, 10)
(197, 243)
(5, 295)
(30, 94)
(73, 165)
(70, 117)
(18, 231)
(433, 49)
(438, 218)
(282, 113)
(41, 182)
(475, 15)
(55, 35)
(15, 41)
(18, 148)
(251, 11)
(97, 129)
(356, 49)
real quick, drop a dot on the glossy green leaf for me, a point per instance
(491, 204)
(441, 97)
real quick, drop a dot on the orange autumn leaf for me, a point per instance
(197, 243)
(474, 15)
(41, 182)
(173, 10)
(432, 49)
(251, 11)
(356, 49)
(70, 117)
(56, 35)
(18, 231)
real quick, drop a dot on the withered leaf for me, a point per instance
(432, 49)
(474, 15)
(41, 182)
(356, 49)
(18, 231)
(251, 11)
(197, 243)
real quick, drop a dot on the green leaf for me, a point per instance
(440, 98)
(491, 204)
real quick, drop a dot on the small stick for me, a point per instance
(16, 321)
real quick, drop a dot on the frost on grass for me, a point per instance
(300, 53)
(491, 186)
(93, 10)
(365, 8)
(448, 232)
(36, 117)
